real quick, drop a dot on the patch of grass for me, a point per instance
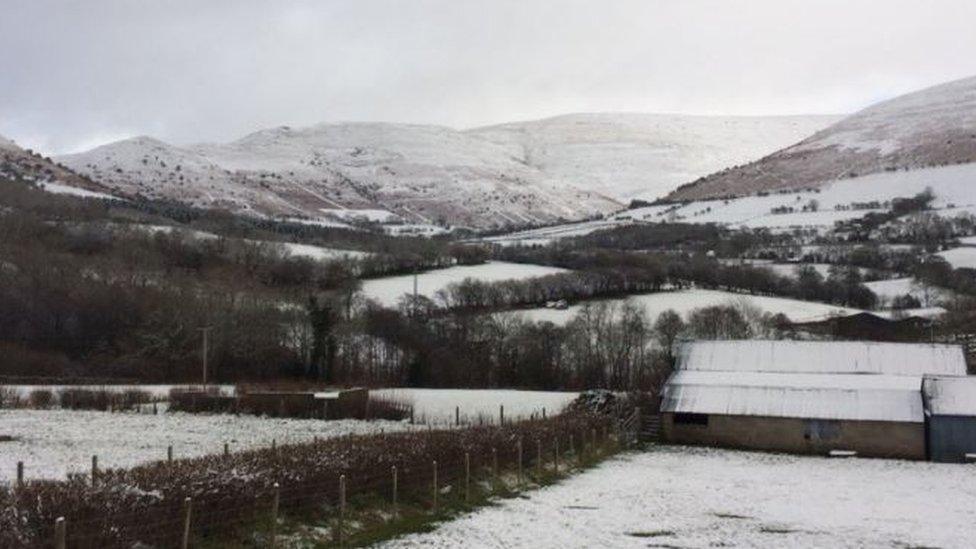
(651, 534)
(730, 516)
(777, 530)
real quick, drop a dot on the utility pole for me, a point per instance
(206, 338)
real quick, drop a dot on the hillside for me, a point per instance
(633, 155)
(561, 169)
(423, 174)
(19, 164)
(932, 127)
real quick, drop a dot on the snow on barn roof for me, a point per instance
(813, 396)
(950, 396)
(823, 357)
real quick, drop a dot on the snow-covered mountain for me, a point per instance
(425, 174)
(932, 127)
(632, 155)
(565, 168)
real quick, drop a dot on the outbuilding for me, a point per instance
(804, 396)
(950, 409)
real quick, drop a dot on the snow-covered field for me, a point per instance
(889, 289)
(700, 497)
(52, 443)
(684, 301)
(437, 405)
(964, 257)
(389, 290)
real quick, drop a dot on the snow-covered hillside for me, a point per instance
(560, 169)
(932, 127)
(953, 187)
(422, 174)
(19, 164)
(632, 155)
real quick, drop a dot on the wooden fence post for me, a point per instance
(457, 415)
(274, 515)
(543, 412)
(494, 468)
(467, 476)
(501, 414)
(60, 533)
(342, 508)
(395, 508)
(187, 514)
(94, 470)
(226, 449)
(169, 454)
(555, 454)
(519, 449)
(538, 458)
(20, 474)
(435, 486)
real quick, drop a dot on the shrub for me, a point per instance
(41, 399)
(9, 397)
(390, 408)
(102, 399)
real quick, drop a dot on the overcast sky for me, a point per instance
(77, 74)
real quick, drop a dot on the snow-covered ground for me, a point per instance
(52, 443)
(311, 251)
(684, 301)
(700, 497)
(952, 186)
(389, 290)
(58, 188)
(437, 405)
(889, 289)
(964, 257)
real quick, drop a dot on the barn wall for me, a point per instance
(801, 436)
(950, 438)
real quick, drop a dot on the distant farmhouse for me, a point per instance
(820, 397)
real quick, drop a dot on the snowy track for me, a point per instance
(698, 497)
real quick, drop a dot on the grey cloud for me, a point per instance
(77, 73)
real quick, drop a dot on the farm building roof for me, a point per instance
(823, 357)
(814, 396)
(950, 395)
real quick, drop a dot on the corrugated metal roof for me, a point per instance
(822, 357)
(950, 396)
(814, 396)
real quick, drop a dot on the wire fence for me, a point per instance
(246, 495)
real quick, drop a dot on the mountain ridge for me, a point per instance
(933, 126)
(484, 178)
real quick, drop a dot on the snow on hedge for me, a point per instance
(700, 497)
(389, 290)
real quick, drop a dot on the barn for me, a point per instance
(950, 410)
(812, 397)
